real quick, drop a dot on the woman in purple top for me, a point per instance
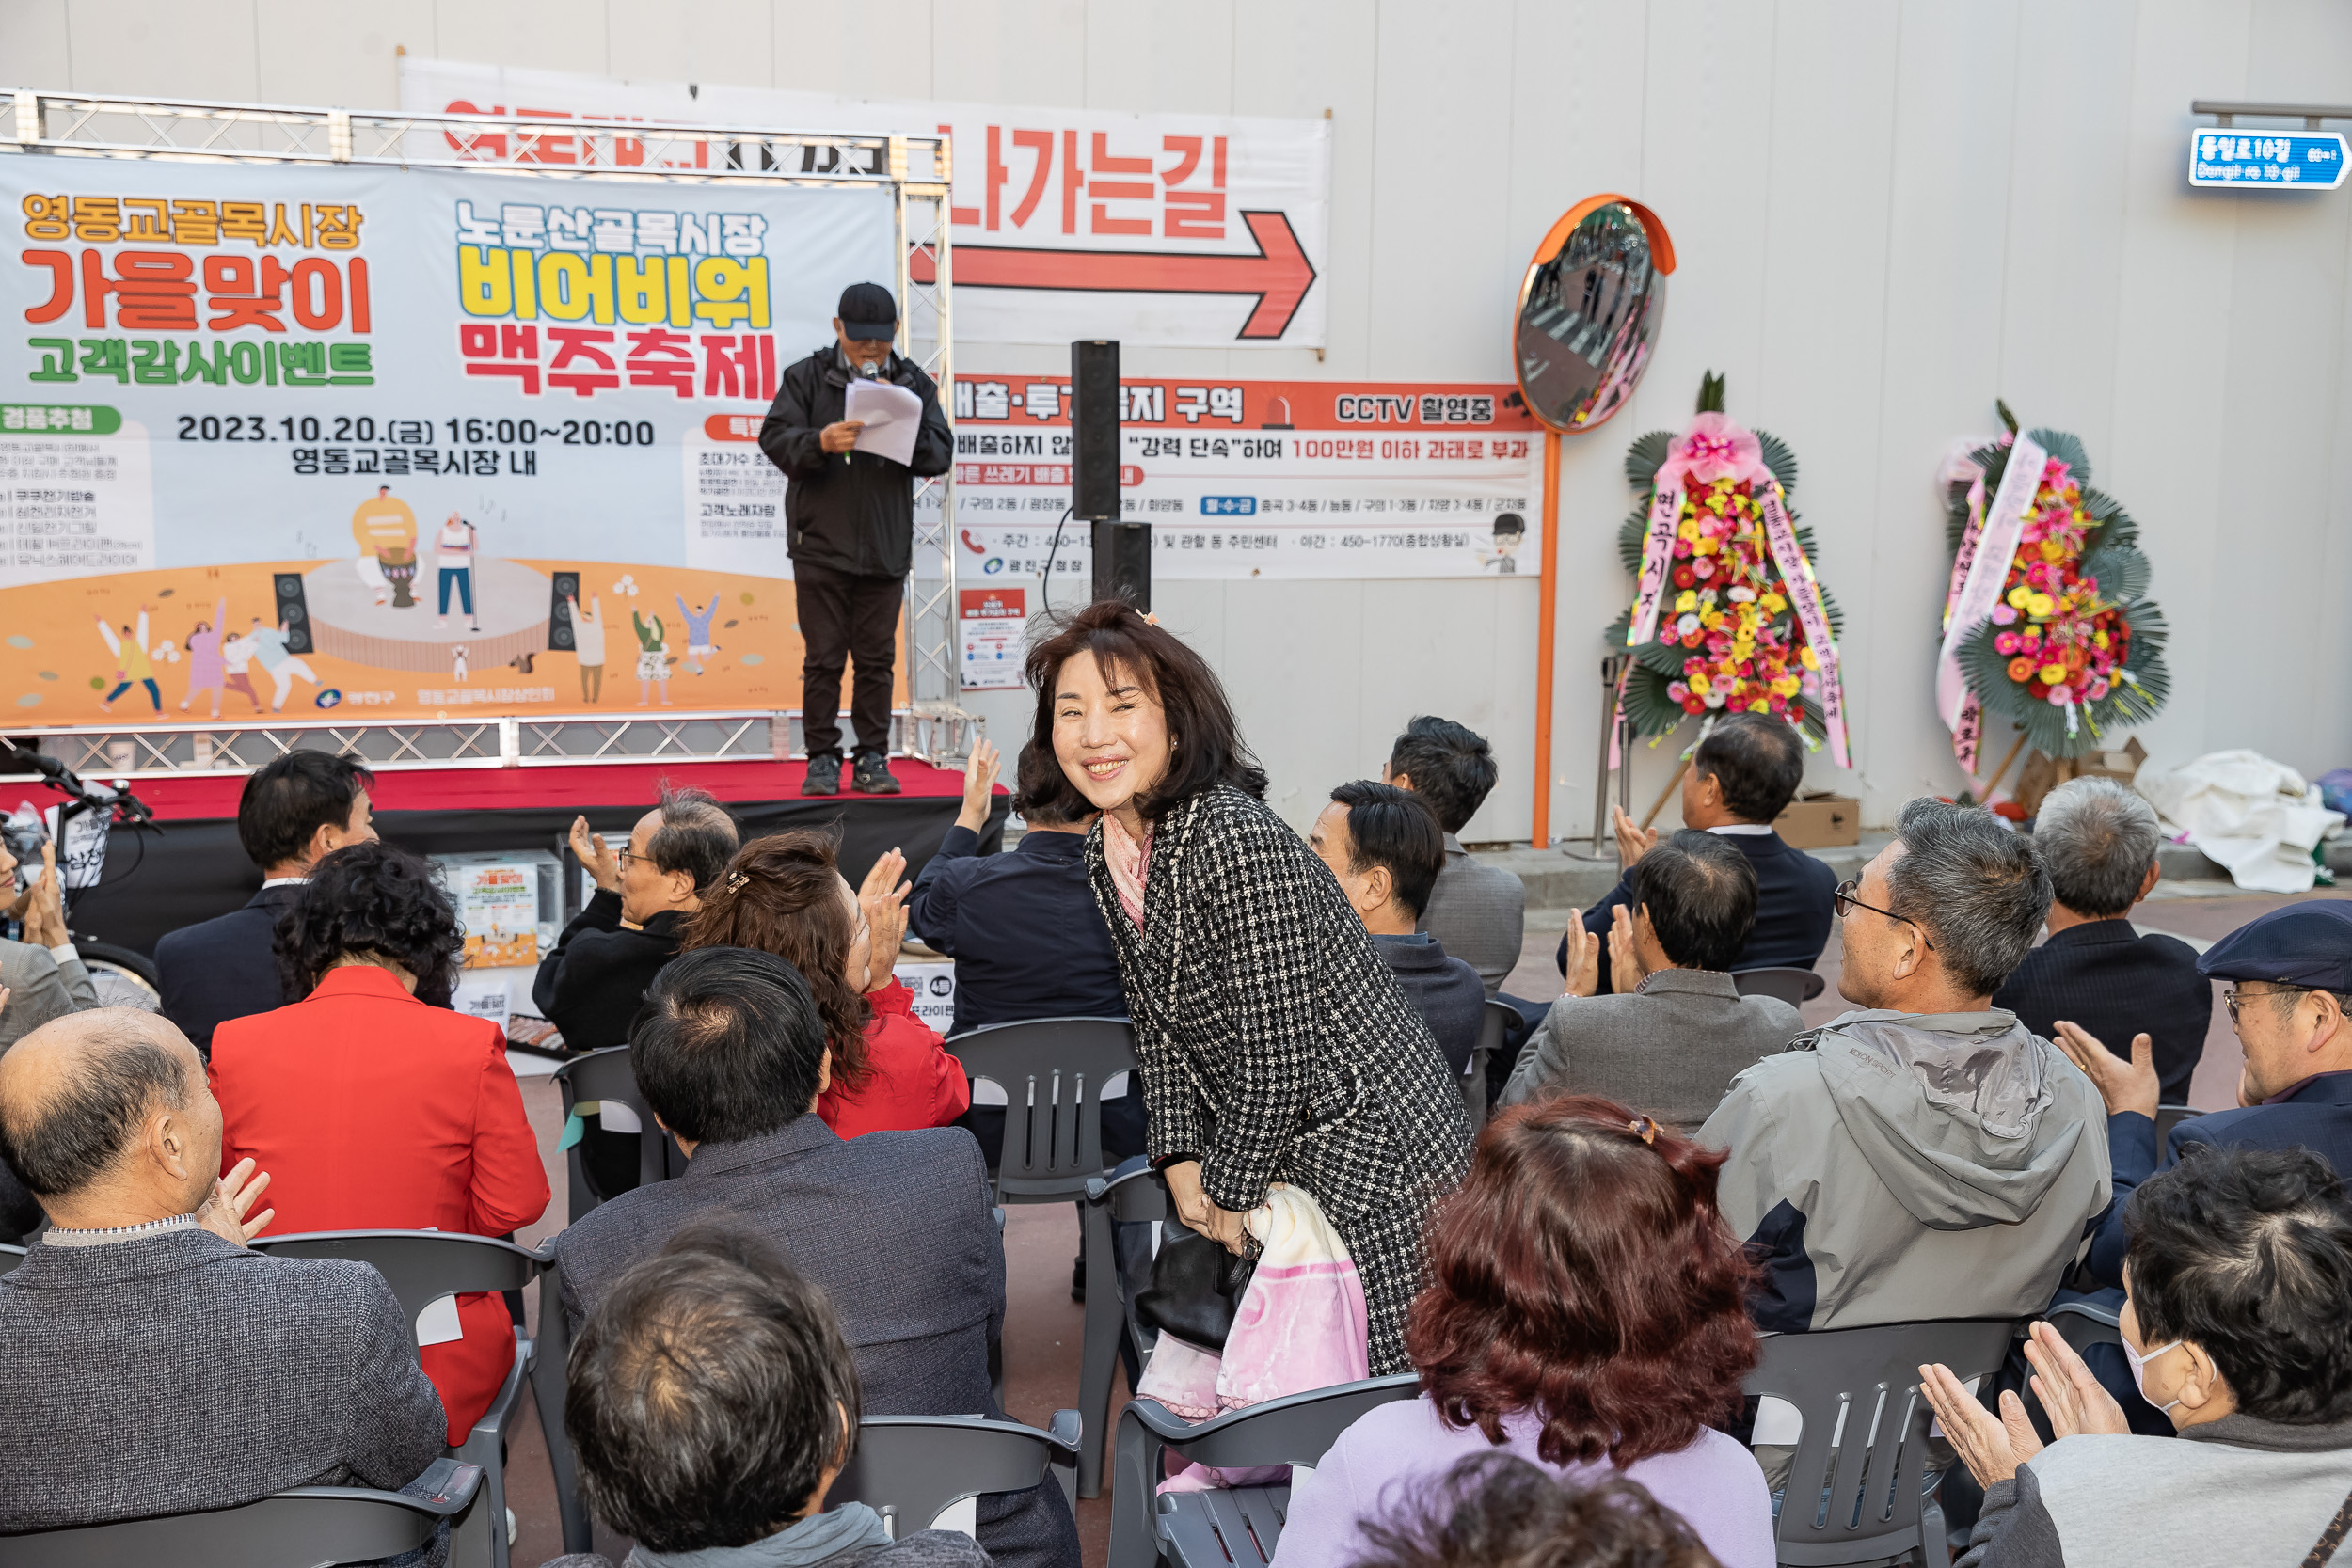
(206, 671)
(1585, 1311)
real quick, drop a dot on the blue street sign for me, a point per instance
(2266, 160)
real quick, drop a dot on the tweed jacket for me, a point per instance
(1669, 1049)
(1276, 1045)
(173, 1372)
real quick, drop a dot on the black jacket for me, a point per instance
(591, 985)
(1023, 928)
(1792, 909)
(851, 512)
(1446, 991)
(225, 967)
(2116, 983)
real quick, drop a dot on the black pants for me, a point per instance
(845, 617)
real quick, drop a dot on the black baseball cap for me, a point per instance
(2302, 945)
(868, 314)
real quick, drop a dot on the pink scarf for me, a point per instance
(1128, 858)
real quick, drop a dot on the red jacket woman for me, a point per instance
(887, 1070)
(373, 1111)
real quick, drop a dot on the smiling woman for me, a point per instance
(1274, 1043)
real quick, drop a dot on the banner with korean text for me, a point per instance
(295, 438)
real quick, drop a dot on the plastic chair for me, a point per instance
(1853, 1493)
(422, 1267)
(2168, 1117)
(295, 1528)
(11, 1256)
(1051, 1071)
(602, 1075)
(911, 1469)
(1795, 987)
(1497, 1022)
(1134, 1194)
(1236, 1529)
(2084, 1323)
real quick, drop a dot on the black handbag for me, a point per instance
(1196, 1287)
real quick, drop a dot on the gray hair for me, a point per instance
(1973, 885)
(2097, 840)
(696, 837)
(84, 1125)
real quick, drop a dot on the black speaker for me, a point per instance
(1123, 563)
(560, 634)
(1094, 431)
(295, 611)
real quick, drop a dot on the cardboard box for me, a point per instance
(1818, 819)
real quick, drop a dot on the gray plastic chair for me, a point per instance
(2168, 1117)
(1051, 1071)
(1493, 1025)
(911, 1469)
(1134, 1194)
(1854, 1493)
(422, 1267)
(1795, 987)
(11, 1256)
(602, 1075)
(2085, 1324)
(308, 1526)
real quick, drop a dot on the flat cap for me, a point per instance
(2302, 945)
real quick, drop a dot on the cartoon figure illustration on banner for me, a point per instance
(1510, 533)
(453, 551)
(588, 642)
(653, 658)
(698, 644)
(236, 654)
(457, 663)
(269, 646)
(386, 533)
(133, 664)
(205, 672)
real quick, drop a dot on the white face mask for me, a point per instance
(2139, 1372)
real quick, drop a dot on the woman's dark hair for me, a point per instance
(729, 1045)
(782, 894)
(1450, 765)
(377, 902)
(1699, 891)
(289, 799)
(1584, 1273)
(708, 1394)
(1208, 749)
(1042, 793)
(1497, 1511)
(2248, 1254)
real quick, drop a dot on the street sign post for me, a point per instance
(2266, 160)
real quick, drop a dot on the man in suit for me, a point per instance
(1477, 912)
(1741, 777)
(2098, 840)
(149, 1363)
(1677, 1030)
(1385, 847)
(299, 807)
(894, 1227)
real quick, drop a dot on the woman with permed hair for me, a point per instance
(373, 1108)
(1585, 1312)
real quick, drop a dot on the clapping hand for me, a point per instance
(596, 856)
(979, 779)
(1583, 975)
(234, 1196)
(1994, 1449)
(44, 903)
(2124, 1086)
(1633, 840)
(1625, 954)
(883, 899)
(2069, 1395)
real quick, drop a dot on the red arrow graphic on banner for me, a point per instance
(1279, 274)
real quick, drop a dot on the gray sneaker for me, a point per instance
(824, 774)
(873, 776)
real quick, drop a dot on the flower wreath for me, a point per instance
(1726, 616)
(2047, 619)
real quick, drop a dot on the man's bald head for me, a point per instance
(79, 1097)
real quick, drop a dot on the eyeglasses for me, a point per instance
(622, 857)
(1845, 902)
(2234, 996)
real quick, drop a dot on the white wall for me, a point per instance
(1885, 213)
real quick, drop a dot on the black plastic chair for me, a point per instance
(11, 1256)
(308, 1526)
(1053, 1070)
(2168, 1117)
(1497, 1022)
(422, 1267)
(911, 1469)
(596, 1077)
(1795, 987)
(1854, 1492)
(1236, 1529)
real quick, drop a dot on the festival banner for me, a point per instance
(1195, 231)
(301, 438)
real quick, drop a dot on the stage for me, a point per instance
(194, 868)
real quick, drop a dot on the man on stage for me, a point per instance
(850, 518)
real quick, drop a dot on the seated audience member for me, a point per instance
(1478, 911)
(710, 1403)
(783, 895)
(2098, 841)
(895, 1228)
(2240, 1265)
(1586, 1309)
(1492, 1510)
(149, 1363)
(1385, 847)
(1929, 1156)
(1741, 777)
(373, 1111)
(1678, 1032)
(295, 809)
(1023, 927)
(43, 976)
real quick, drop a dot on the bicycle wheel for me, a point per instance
(122, 977)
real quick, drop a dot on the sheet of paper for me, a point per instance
(438, 1323)
(892, 417)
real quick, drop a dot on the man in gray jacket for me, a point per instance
(1678, 1032)
(1927, 1156)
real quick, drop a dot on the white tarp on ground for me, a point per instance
(2255, 817)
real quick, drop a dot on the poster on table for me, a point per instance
(410, 442)
(1194, 231)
